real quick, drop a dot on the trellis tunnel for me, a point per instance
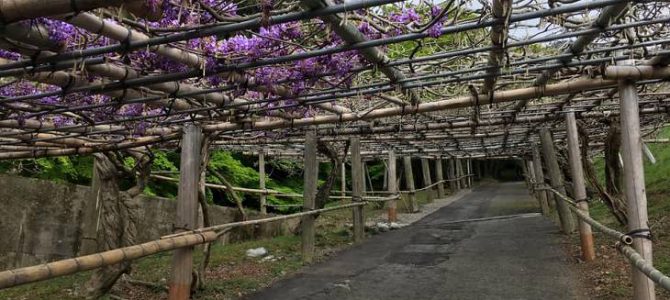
(452, 97)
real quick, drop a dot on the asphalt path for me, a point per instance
(490, 244)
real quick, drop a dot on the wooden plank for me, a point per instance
(633, 183)
(439, 176)
(311, 174)
(409, 183)
(357, 188)
(542, 196)
(425, 170)
(579, 187)
(392, 186)
(187, 210)
(556, 179)
(261, 181)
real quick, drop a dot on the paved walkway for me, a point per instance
(439, 257)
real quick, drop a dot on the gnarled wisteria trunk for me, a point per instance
(118, 216)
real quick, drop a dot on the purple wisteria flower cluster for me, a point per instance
(270, 41)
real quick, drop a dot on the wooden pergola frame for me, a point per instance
(508, 104)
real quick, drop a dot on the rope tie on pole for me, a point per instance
(587, 200)
(644, 233)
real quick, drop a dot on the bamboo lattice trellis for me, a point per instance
(484, 99)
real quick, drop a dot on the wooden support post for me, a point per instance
(90, 216)
(357, 187)
(439, 176)
(311, 174)
(482, 167)
(187, 210)
(409, 183)
(542, 196)
(392, 186)
(459, 174)
(469, 171)
(530, 172)
(453, 183)
(366, 179)
(343, 183)
(425, 169)
(579, 188)
(261, 181)
(633, 184)
(524, 169)
(556, 178)
(385, 185)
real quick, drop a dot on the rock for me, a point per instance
(257, 252)
(269, 258)
(395, 225)
(344, 285)
(383, 227)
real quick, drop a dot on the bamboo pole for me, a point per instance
(636, 72)
(17, 10)
(634, 187)
(392, 186)
(439, 176)
(357, 187)
(261, 182)
(573, 86)
(235, 188)
(311, 174)
(351, 35)
(190, 238)
(579, 188)
(64, 267)
(187, 211)
(409, 183)
(564, 214)
(222, 227)
(500, 10)
(427, 181)
(541, 195)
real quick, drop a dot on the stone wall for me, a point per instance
(42, 221)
